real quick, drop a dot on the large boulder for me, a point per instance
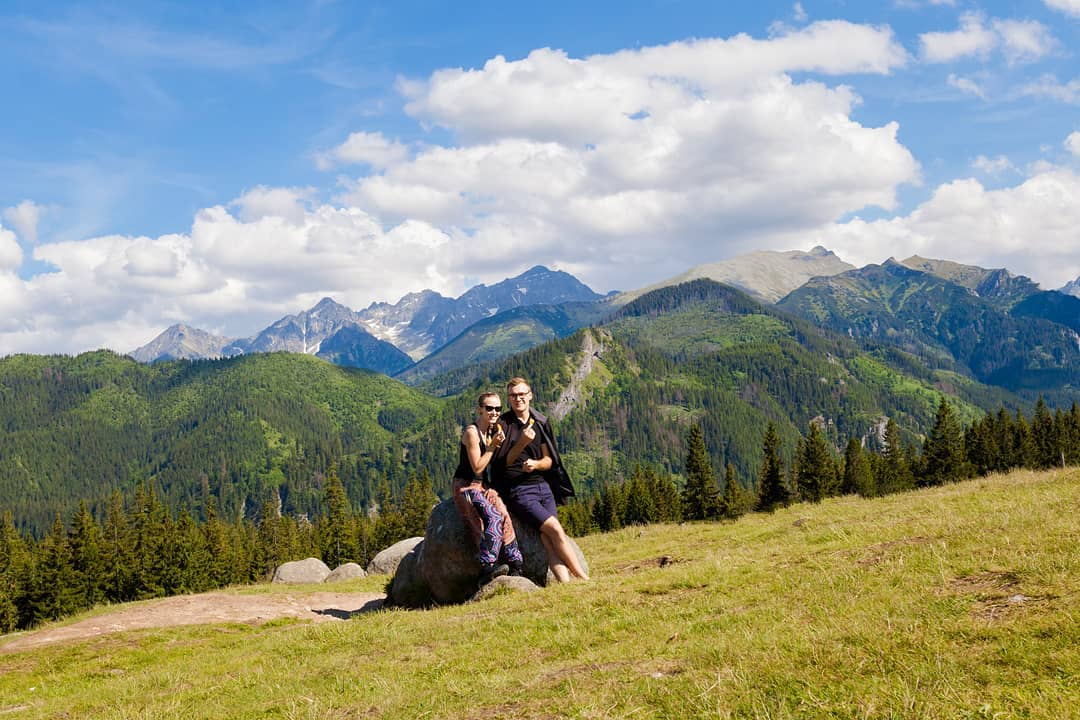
(301, 572)
(407, 588)
(386, 561)
(444, 569)
(347, 571)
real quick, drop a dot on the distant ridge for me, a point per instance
(766, 274)
(183, 342)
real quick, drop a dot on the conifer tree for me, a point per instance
(1043, 438)
(665, 496)
(773, 489)
(640, 506)
(55, 591)
(119, 557)
(858, 476)
(943, 452)
(338, 534)
(733, 503)
(814, 468)
(14, 574)
(416, 504)
(1023, 450)
(700, 494)
(893, 472)
(87, 558)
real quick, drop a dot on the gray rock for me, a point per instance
(301, 572)
(386, 561)
(445, 570)
(505, 584)
(348, 571)
(408, 589)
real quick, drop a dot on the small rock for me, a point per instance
(503, 584)
(386, 561)
(301, 572)
(348, 571)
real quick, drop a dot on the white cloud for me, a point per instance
(1029, 228)
(288, 204)
(1048, 86)
(1024, 40)
(1069, 7)
(10, 253)
(973, 38)
(799, 13)
(966, 85)
(1072, 144)
(364, 148)
(993, 166)
(622, 168)
(24, 218)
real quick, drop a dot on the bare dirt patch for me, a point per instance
(203, 609)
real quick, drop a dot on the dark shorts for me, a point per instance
(533, 503)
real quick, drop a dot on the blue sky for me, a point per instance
(222, 167)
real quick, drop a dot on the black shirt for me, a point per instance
(511, 474)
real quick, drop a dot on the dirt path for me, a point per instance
(206, 608)
(571, 396)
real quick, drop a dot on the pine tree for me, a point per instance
(119, 557)
(700, 495)
(814, 468)
(858, 476)
(1043, 438)
(773, 490)
(733, 504)
(416, 504)
(1023, 449)
(87, 557)
(14, 575)
(894, 472)
(56, 592)
(943, 453)
(338, 534)
(640, 507)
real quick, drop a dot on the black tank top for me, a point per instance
(464, 468)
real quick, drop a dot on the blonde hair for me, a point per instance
(480, 400)
(517, 381)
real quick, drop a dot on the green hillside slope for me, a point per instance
(245, 429)
(952, 602)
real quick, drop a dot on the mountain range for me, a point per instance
(382, 337)
(622, 378)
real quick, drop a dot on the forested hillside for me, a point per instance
(260, 428)
(244, 430)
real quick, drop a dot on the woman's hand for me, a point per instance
(497, 438)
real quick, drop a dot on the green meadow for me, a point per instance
(960, 601)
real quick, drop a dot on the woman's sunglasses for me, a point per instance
(492, 408)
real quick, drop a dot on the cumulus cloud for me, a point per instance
(288, 204)
(24, 219)
(1029, 228)
(10, 253)
(973, 38)
(705, 147)
(1024, 40)
(1020, 41)
(364, 148)
(1069, 7)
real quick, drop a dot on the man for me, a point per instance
(519, 470)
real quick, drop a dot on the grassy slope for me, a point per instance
(959, 601)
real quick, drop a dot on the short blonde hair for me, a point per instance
(517, 381)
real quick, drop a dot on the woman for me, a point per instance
(480, 507)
